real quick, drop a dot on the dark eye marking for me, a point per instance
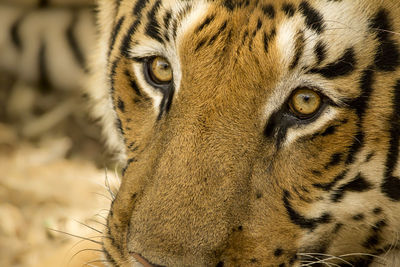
(283, 119)
(345, 65)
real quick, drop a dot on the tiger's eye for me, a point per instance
(160, 70)
(305, 102)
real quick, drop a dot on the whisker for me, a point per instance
(311, 263)
(363, 254)
(77, 236)
(83, 250)
(117, 175)
(382, 30)
(95, 261)
(329, 257)
(88, 226)
(95, 221)
(107, 184)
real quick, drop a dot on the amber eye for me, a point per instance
(305, 102)
(160, 70)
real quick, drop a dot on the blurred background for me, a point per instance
(55, 172)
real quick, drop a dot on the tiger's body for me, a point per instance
(255, 133)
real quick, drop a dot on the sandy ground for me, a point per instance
(52, 178)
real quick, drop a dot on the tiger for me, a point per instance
(253, 132)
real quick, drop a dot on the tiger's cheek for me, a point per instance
(133, 108)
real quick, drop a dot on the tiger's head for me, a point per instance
(256, 133)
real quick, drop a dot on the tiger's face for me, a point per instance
(260, 133)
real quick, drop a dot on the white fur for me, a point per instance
(98, 84)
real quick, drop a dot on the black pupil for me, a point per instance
(306, 98)
(163, 65)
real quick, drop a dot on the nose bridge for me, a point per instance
(198, 180)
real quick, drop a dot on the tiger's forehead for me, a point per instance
(159, 26)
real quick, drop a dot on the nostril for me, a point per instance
(143, 261)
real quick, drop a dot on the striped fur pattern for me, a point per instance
(47, 45)
(218, 172)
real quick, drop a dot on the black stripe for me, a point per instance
(73, 43)
(118, 2)
(360, 105)
(126, 42)
(44, 79)
(207, 21)
(289, 9)
(269, 11)
(358, 184)
(232, 4)
(139, 6)
(118, 124)
(221, 30)
(320, 52)
(391, 184)
(15, 34)
(113, 73)
(335, 160)
(121, 105)
(115, 32)
(175, 28)
(387, 56)
(375, 238)
(153, 27)
(167, 21)
(329, 131)
(245, 36)
(299, 219)
(314, 19)
(229, 4)
(166, 102)
(341, 67)
(135, 86)
(200, 44)
(299, 50)
(329, 186)
(267, 39)
(254, 33)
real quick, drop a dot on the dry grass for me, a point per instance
(51, 177)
